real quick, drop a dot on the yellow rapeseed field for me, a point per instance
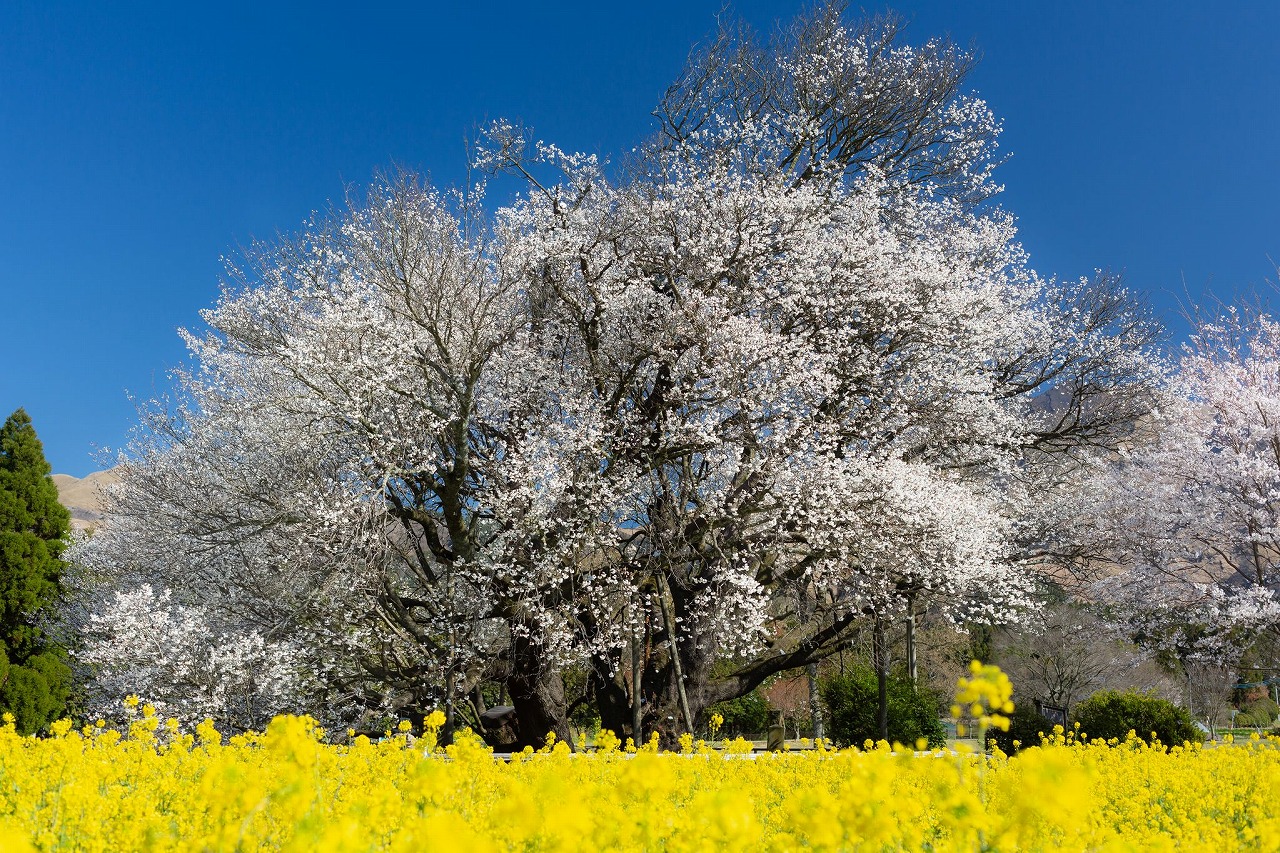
(154, 788)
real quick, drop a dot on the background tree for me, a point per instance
(1066, 652)
(1186, 526)
(34, 677)
(139, 640)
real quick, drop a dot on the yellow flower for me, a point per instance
(286, 789)
(607, 741)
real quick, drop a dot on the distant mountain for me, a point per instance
(83, 496)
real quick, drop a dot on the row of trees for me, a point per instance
(665, 428)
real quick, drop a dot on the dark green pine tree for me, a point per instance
(34, 678)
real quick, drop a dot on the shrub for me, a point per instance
(1112, 714)
(746, 715)
(1259, 714)
(1025, 727)
(852, 701)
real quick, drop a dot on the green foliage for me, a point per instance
(746, 715)
(1259, 714)
(34, 679)
(1112, 714)
(36, 692)
(577, 690)
(1025, 727)
(852, 701)
(980, 640)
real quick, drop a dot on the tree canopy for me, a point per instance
(684, 423)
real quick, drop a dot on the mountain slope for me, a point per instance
(83, 496)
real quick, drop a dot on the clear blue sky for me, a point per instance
(140, 143)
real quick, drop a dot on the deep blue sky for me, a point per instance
(139, 144)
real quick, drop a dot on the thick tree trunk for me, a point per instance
(673, 638)
(613, 699)
(537, 694)
(703, 689)
(685, 678)
(637, 691)
(880, 654)
(670, 718)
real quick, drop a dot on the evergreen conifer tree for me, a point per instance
(34, 677)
